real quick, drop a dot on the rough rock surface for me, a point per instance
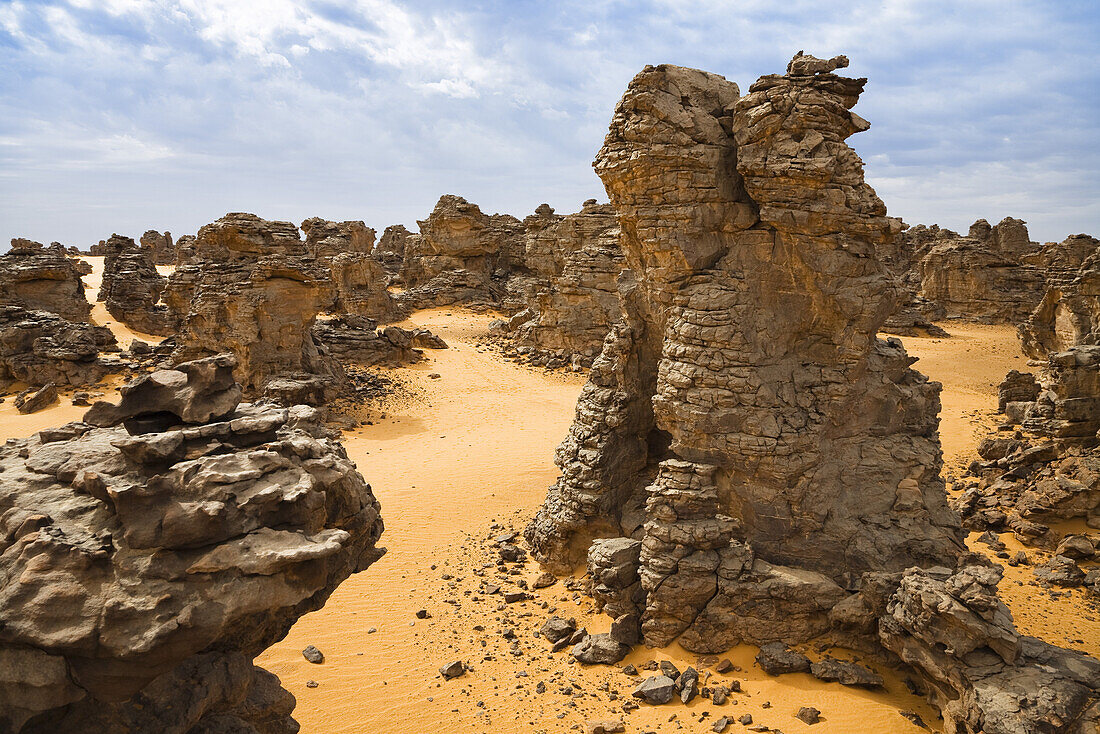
(360, 288)
(38, 347)
(390, 250)
(251, 289)
(462, 255)
(160, 247)
(1069, 313)
(743, 430)
(325, 240)
(357, 339)
(141, 573)
(41, 278)
(573, 299)
(984, 276)
(131, 287)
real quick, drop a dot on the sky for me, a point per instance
(128, 115)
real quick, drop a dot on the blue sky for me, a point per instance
(126, 115)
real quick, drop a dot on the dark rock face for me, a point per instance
(40, 278)
(357, 339)
(37, 347)
(160, 247)
(744, 434)
(572, 300)
(462, 255)
(390, 250)
(142, 572)
(131, 287)
(1069, 313)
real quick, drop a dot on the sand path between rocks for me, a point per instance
(459, 459)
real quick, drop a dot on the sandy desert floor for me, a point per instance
(462, 454)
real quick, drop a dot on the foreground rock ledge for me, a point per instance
(147, 559)
(748, 462)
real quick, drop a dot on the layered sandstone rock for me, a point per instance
(141, 572)
(41, 278)
(357, 339)
(39, 348)
(462, 255)
(131, 287)
(325, 239)
(390, 250)
(986, 275)
(160, 247)
(744, 431)
(359, 282)
(251, 289)
(572, 300)
(1069, 313)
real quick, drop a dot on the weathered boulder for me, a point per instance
(40, 278)
(37, 347)
(357, 339)
(131, 287)
(141, 574)
(982, 674)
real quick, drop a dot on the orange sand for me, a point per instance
(451, 456)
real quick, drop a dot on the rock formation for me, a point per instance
(41, 278)
(39, 348)
(325, 240)
(143, 567)
(357, 339)
(764, 453)
(390, 250)
(572, 300)
(461, 256)
(131, 287)
(984, 276)
(250, 288)
(160, 247)
(1069, 313)
(360, 288)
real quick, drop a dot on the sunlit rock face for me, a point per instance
(748, 461)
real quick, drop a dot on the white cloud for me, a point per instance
(372, 108)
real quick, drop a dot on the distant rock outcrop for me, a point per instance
(461, 256)
(160, 247)
(41, 278)
(390, 250)
(573, 299)
(39, 348)
(251, 289)
(1069, 313)
(131, 287)
(357, 339)
(760, 452)
(984, 276)
(142, 570)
